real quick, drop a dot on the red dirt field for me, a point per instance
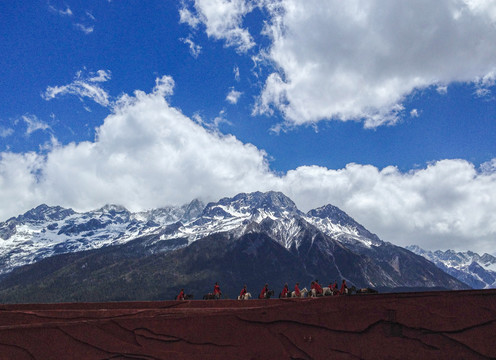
(431, 325)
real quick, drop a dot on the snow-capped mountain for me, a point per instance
(475, 270)
(238, 214)
(46, 231)
(253, 237)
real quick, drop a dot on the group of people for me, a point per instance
(315, 290)
(333, 288)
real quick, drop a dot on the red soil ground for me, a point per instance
(433, 325)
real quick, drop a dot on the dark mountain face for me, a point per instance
(8, 228)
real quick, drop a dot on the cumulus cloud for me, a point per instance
(349, 60)
(488, 167)
(187, 17)
(223, 20)
(448, 203)
(483, 84)
(486, 8)
(233, 96)
(183, 161)
(83, 86)
(355, 60)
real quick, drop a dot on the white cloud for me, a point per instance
(183, 160)
(442, 89)
(90, 15)
(84, 28)
(223, 20)
(348, 60)
(87, 29)
(236, 73)
(414, 113)
(489, 167)
(447, 204)
(187, 17)
(100, 76)
(34, 124)
(194, 49)
(355, 60)
(483, 84)
(83, 86)
(5, 132)
(66, 12)
(486, 8)
(233, 96)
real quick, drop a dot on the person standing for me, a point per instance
(181, 295)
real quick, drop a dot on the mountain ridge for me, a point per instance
(477, 271)
(163, 244)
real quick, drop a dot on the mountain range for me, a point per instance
(479, 272)
(55, 254)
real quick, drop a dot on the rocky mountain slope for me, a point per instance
(111, 254)
(479, 272)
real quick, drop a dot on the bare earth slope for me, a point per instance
(434, 325)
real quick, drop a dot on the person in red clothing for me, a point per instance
(263, 293)
(344, 288)
(181, 295)
(318, 289)
(285, 291)
(243, 293)
(217, 292)
(297, 290)
(334, 287)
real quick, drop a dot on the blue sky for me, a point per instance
(383, 108)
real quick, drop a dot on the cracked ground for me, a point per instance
(432, 325)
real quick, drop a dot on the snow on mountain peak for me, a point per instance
(112, 209)
(275, 203)
(45, 213)
(45, 230)
(469, 267)
(336, 223)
